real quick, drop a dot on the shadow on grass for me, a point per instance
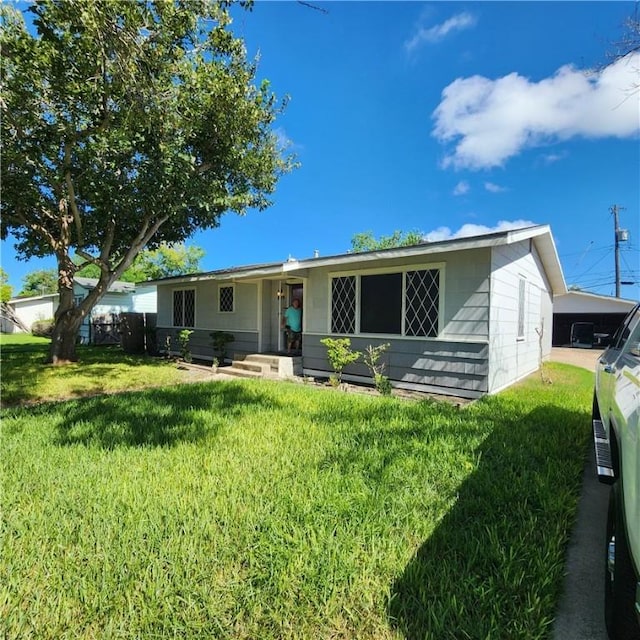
(156, 418)
(493, 566)
(22, 365)
(378, 433)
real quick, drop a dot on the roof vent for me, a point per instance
(316, 253)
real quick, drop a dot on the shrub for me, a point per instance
(43, 328)
(183, 340)
(220, 341)
(340, 355)
(372, 360)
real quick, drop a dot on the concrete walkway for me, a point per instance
(580, 614)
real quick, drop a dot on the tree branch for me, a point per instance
(143, 237)
(72, 194)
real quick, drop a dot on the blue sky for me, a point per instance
(446, 118)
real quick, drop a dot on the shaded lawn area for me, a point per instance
(103, 369)
(256, 509)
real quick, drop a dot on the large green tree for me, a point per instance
(6, 290)
(125, 124)
(37, 283)
(366, 241)
(151, 264)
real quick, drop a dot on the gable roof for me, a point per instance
(585, 302)
(540, 235)
(86, 283)
(118, 286)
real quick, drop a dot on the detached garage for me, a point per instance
(604, 312)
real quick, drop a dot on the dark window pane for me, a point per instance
(178, 299)
(226, 299)
(381, 303)
(190, 308)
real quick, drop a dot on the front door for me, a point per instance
(295, 292)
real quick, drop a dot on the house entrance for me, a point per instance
(295, 292)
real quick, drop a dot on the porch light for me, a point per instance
(279, 294)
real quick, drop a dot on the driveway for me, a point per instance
(580, 610)
(585, 358)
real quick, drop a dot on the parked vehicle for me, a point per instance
(582, 335)
(616, 431)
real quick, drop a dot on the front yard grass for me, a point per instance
(255, 509)
(105, 369)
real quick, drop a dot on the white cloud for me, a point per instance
(490, 121)
(552, 158)
(459, 22)
(494, 188)
(461, 188)
(467, 230)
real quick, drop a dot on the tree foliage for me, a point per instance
(125, 124)
(151, 264)
(366, 241)
(37, 283)
(6, 290)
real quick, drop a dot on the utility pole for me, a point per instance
(618, 234)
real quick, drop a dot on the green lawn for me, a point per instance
(105, 369)
(256, 509)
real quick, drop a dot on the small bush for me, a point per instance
(220, 341)
(372, 360)
(383, 385)
(340, 355)
(43, 328)
(183, 339)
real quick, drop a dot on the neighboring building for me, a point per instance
(27, 311)
(121, 297)
(463, 317)
(604, 312)
(144, 298)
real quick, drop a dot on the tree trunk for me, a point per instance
(65, 337)
(68, 318)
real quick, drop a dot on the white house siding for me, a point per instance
(242, 322)
(464, 289)
(31, 310)
(456, 362)
(113, 304)
(144, 300)
(511, 357)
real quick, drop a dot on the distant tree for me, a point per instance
(629, 44)
(6, 290)
(126, 124)
(367, 242)
(37, 283)
(151, 264)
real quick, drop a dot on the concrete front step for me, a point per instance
(260, 364)
(270, 362)
(250, 365)
(233, 370)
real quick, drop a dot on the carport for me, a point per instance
(605, 312)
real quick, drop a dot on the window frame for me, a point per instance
(231, 286)
(182, 325)
(432, 266)
(521, 319)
